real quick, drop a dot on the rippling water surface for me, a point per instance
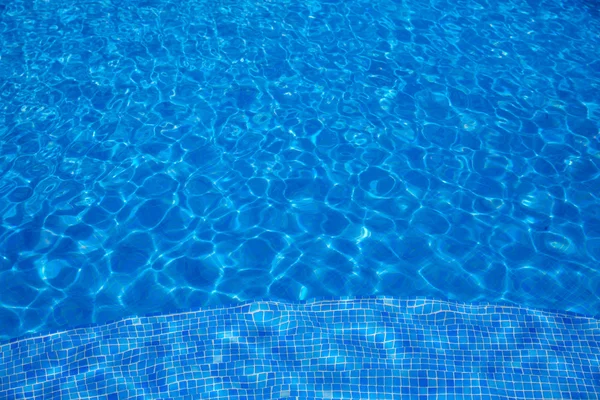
(160, 155)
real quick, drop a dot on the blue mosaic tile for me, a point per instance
(349, 348)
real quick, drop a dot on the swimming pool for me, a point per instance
(159, 156)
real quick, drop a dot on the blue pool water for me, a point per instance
(159, 155)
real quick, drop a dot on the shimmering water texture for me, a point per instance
(162, 155)
(368, 349)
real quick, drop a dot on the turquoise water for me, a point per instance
(162, 155)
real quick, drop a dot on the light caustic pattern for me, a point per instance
(161, 155)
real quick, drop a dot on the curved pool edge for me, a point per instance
(367, 347)
(177, 312)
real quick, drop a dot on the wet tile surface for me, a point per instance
(381, 348)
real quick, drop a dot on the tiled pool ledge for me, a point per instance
(348, 348)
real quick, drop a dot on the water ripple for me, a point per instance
(164, 155)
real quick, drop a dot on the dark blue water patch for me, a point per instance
(132, 253)
(218, 153)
